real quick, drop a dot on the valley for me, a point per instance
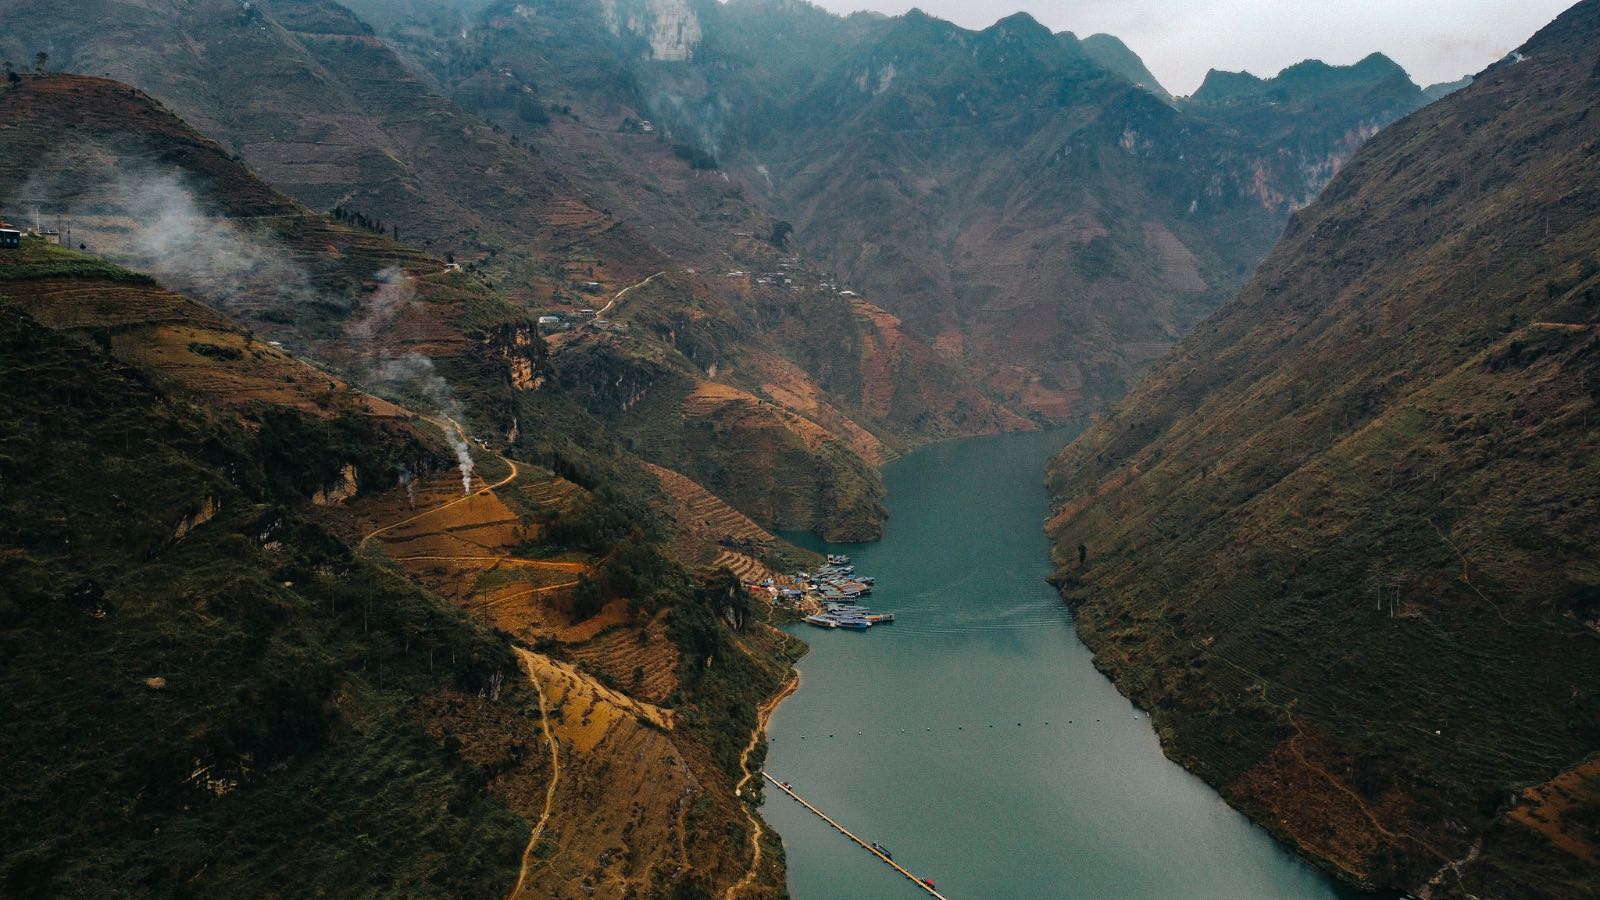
(409, 402)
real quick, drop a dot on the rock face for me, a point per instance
(670, 28)
(208, 510)
(339, 491)
(1340, 540)
(1014, 198)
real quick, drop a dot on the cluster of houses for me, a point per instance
(550, 324)
(789, 268)
(11, 235)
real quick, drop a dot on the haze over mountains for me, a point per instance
(774, 247)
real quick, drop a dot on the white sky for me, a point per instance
(1179, 40)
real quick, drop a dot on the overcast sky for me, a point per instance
(1179, 40)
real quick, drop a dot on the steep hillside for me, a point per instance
(547, 212)
(1031, 212)
(204, 690)
(1340, 541)
(476, 491)
(1028, 213)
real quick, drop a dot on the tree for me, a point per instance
(532, 111)
(41, 62)
(780, 233)
(11, 73)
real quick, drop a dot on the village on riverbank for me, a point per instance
(828, 596)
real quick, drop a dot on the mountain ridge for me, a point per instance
(1341, 468)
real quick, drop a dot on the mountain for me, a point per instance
(1312, 81)
(1444, 88)
(323, 565)
(1114, 55)
(1031, 227)
(960, 180)
(200, 681)
(1034, 215)
(1339, 541)
(532, 323)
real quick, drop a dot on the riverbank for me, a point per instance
(757, 827)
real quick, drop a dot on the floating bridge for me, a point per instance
(852, 836)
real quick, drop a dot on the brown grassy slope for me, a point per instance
(218, 670)
(1033, 216)
(1341, 539)
(99, 149)
(463, 554)
(316, 284)
(305, 93)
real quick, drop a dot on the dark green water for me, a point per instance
(926, 753)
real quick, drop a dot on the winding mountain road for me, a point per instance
(613, 302)
(527, 659)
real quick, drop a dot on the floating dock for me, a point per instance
(869, 847)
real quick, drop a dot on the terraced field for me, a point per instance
(210, 358)
(625, 795)
(641, 658)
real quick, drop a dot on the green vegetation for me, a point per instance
(72, 267)
(722, 686)
(226, 712)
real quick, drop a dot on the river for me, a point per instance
(974, 738)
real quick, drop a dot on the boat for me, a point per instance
(857, 624)
(884, 851)
(821, 622)
(881, 618)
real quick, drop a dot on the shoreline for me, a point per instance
(758, 825)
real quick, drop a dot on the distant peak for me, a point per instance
(1306, 78)
(1116, 57)
(1017, 20)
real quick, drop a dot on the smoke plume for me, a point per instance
(415, 373)
(412, 373)
(154, 222)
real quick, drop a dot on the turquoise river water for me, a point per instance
(974, 738)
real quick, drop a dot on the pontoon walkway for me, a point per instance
(847, 833)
